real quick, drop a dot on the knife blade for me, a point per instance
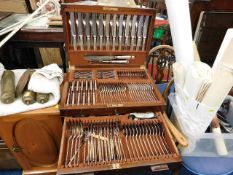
(133, 31)
(87, 30)
(114, 31)
(127, 27)
(112, 61)
(115, 61)
(93, 29)
(80, 30)
(139, 34)
(73, 31)
(107, 30)
(107, 58)
(120, 34)
(101, 30)
(145, 32)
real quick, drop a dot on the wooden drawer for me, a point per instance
(126, 90)
(96, 144)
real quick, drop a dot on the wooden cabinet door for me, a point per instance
(33, 140)
(36, 142)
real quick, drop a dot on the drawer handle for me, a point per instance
(162, 167)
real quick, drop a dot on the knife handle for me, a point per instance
(88, 43)
(101, 42)
(107, 43)
(94, 42)
(144, 44)
(74, 42)
(139, 43)
(126, 42)
(120, 42)
(116, 61)
(81, 42)
(132, 43)
(114, 43)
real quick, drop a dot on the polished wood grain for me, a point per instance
(104, 109)
(77, 59)
(35, 134)
(168, 159)
(42, 171)
(40, 35)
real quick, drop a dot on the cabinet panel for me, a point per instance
(33, 138)
(38, 145)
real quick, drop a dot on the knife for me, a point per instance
(127, 26)
(133, 31)
(115, 61)
(139, 34)
(114, 31)
(107, 31)
(145, 32)
(80, 30)
(93, 29)
(101, 30)
(120, 30)
(112, 61)
(73, 31)
(87, 30)
(108, 58)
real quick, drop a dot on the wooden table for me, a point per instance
(33, 39)
(50, 38)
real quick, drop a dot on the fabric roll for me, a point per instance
(220, 87)
(219, 142)
(197, 75)
(180, 25)
(28, 97)
(226, 42)
(8, 87)
(222, 79)
(44, 80)
(42, 98)
(23, 81)
(179, 74)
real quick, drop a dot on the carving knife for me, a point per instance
(127, 26)
(133, 31)
(120, 34)
(101, 30)
(108, 58)
(80, 30)
(107, 31)
(114, 31)
(73, 31)
(87, 30)
(93, 28)
(139, 34)
(145, 32)
(111, 61)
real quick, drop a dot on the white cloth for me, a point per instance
(44, 80)
(196, 76)
(193, 118)
(179, 16)
(1, 71)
